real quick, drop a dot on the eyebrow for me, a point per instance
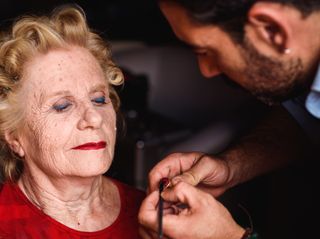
(44, 98)
(99, 87)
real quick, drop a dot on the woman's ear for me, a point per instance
(270, 24)
(14, 143)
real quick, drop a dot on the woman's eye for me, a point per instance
(61, 107)
(99, 100)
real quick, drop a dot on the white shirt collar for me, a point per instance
(312, 103)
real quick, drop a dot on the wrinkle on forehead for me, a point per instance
(72, 67)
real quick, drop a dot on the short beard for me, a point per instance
(270, 80)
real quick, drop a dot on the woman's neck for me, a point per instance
(85, 204)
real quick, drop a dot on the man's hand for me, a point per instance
(208, 173)
(201, 217)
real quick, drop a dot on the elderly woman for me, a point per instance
(58, 128)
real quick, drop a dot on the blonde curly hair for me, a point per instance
(31, 35)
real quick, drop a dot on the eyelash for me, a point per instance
(99, 101)
(61, 107)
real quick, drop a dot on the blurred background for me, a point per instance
(116, 19)
(167, 106)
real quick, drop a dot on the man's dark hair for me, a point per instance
(231, 15)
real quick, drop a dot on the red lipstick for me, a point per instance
(91, 146)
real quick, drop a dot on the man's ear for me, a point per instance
(270, 25)
(14, 143)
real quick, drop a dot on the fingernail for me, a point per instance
(176, 180)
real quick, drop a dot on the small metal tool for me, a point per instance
(164, 182)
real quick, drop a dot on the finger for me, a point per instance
(184, 193)
(147, 234)
(148, 211)
(171, 166)
(197, 173)
(195, 204)
(168, 211)
(187, 177)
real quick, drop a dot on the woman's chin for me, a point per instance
(93, 170)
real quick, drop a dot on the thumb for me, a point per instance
(194, 203)
(188, 177)
(148, 210)
(196, 174)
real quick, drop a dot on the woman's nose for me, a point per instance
(90, 118)
(208, 66)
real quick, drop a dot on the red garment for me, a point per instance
(20, 219)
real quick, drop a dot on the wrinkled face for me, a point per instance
(268, 78)
(69, 126)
